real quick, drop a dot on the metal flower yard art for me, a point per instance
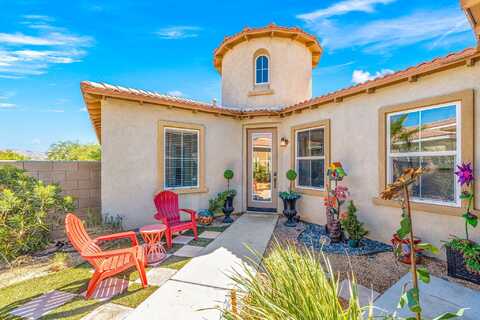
(400, 190)
(334, 200)
(465, 179)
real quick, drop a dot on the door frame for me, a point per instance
(260, 125)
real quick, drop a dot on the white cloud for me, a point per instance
(360, 76)
(54, 110)
(344, 7)
(176, 93)
(7, 105)
(84, 109)
(178, 32)
(383, 35)
(24, 54)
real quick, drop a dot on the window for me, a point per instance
(181, 158)
(181, 152)
(311, 151)
(262, 69)
(426, 137)
(436, 133)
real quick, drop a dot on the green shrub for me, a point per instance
(11, 155)
(72, 150)
(294, 285)
(350, 223)
(25, 206)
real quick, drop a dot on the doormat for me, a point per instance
(315, 236)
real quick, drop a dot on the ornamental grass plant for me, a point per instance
(294, 285)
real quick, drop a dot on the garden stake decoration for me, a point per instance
(411, 297)
(336, 196)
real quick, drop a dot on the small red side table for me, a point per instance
(154, 250)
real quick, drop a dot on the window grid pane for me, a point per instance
(310, 156)
(427, 138)
(181, 158)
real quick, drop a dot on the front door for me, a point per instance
(262, 170)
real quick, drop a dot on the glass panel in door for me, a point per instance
(262, 167)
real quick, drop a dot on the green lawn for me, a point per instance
(75, 280)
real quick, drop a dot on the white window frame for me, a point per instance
(262, 69)
(457, 153)
(165, 129)
(297, 158)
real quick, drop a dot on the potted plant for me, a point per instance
(289, 199)
(334, 200)
(352, 226)
(229, 196)
(463, 255)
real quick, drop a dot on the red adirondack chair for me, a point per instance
(106, 263)
(169, 213)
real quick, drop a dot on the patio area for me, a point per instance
(60, 295)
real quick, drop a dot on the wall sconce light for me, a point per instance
(283, 142)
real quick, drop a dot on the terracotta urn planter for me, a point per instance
(335, 230)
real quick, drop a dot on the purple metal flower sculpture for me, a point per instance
(465, 179)
(465, 174)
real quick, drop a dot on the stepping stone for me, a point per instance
(158, 276)
(210, 234)
(188, 251)
(45, 303)
(109, 288)
(181, 239)
(365, 295)
(109, 311)
(437, 297)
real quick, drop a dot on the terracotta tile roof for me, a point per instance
(467, 56)
(272, 30)
(93, 92)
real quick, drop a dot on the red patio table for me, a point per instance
(152, 235)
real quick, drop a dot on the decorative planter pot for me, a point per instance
(404, 245)
(335, 230)
(228, 209)
(353, 243)
(457, 269)
(290, 211)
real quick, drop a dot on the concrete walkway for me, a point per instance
(437, 297)
(203, 284)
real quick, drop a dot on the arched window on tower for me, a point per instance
(262, 75)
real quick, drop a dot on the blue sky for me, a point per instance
(47, 47)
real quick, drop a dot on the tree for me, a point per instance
(71, 150)
(11, 155)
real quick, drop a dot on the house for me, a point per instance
(268, 121)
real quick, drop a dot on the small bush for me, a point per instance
(60, 261)
(25, 206)
(294, 285)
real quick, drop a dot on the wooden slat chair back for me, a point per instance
(168, 212)
(106, 263)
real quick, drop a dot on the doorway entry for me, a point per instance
(262, 192)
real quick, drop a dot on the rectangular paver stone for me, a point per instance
(45, 303)
(181, 239)
(109, 311)
(365, 295)
(209, 234)
(109, 288)
(188, 251)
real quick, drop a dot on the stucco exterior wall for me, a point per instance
(290, 74)
(130, 158)
(129, 163)
(355, 142)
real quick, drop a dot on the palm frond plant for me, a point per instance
(294, 285)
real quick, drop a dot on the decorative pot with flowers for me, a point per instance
(352, 226)
(205, 217)
(463, 255)
(336, 197)
(229, 196)
(289, 199)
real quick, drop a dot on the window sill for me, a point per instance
(261, 91)
(189, 190)
(311, 192)
(424, 207)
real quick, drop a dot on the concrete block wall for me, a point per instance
(79, 179)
